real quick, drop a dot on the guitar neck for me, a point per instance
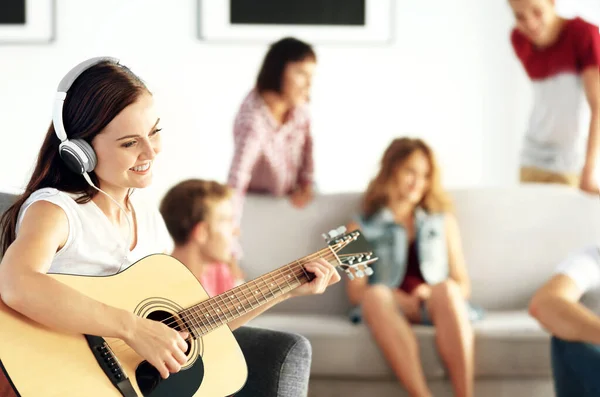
(230, 305)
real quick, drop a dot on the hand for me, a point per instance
(325, 275)
(423, 292)
(160, 345)
(409, 304)
(302, 196)
(587, 182)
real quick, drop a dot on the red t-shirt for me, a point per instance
(413, 277)
(559, 123)
(576, 48)
(216, 279)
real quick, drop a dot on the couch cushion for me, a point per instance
(506, 344)
(6, 199)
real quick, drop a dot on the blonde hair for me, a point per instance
(435, 199)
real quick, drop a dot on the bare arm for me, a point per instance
(556, 307)
(591, 84)
(458, 268)
(25, 287)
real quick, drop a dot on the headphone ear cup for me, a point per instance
(89, 152)
(78, 155)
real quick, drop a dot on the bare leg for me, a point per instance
(395, 338)
(454, 335)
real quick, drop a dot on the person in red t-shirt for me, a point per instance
(562, 59)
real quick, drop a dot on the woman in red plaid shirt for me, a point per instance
(272, 138)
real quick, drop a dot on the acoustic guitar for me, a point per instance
(38, 361)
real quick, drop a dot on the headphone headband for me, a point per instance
(63, 88)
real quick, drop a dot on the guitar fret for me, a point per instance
(304, 271)
(226, 307)
(259, 290)
(190, 321)
(206, 314)
(286, 276)
(293, 271)
(268, 288)
(248, 300)
(244, 311)
(199, 322)
(277, 284)
(229, 294)
(217, 312)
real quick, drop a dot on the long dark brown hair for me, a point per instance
(376, 197)
(96, 97)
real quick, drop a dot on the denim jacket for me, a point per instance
(390, 244)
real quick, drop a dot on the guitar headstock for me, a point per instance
(352, 252)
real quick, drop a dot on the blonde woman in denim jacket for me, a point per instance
(420, 277)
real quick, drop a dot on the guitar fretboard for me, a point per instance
(226, 307)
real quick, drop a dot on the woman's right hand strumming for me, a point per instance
(160, 345)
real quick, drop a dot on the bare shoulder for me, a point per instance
(451, 222)
(45, 225)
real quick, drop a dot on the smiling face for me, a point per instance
(534, 18)
(128, 145)
(411, 179)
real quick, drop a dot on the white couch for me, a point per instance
(512, 238)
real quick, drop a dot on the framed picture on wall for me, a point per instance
(27, 21)
(316, 21)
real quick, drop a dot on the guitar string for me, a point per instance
(298, 264)
(191, 315)
(298, 270)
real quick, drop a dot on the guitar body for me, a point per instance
(41, 362)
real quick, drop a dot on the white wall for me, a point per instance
(450, 78)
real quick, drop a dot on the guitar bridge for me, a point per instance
(110, 365)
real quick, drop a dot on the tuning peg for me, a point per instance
(350, 275)
(341, 230)
(368, 271)
(359, 273)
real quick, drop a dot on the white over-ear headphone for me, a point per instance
(78, 155)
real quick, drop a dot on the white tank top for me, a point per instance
(94, 246)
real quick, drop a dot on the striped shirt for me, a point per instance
(269, 157)
(559, 122)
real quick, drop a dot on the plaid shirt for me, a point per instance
(269, 158)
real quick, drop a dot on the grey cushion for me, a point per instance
(6, 199)
(507, 343)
